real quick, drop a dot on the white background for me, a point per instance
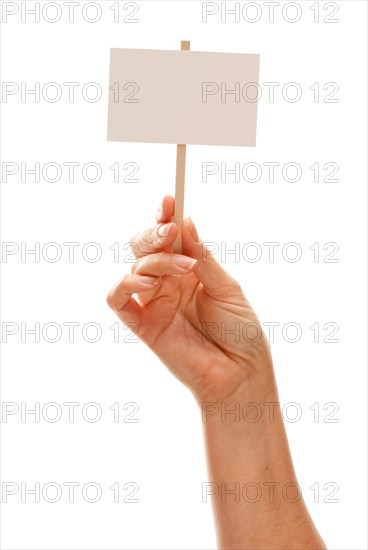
(163, 452)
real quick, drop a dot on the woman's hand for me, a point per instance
(202, 327)
(192, 313)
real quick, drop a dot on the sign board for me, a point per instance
(183, 97)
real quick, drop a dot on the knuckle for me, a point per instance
(124, 281)
(149, 237)
(134, 247)
(133, 240)
(143, 243)
(136, 266)
(110, 299)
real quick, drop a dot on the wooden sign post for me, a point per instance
(181, 151)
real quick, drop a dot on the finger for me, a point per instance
(165, 211)
(164, 263)
(120, 297)
(154, 239)
(216, 281)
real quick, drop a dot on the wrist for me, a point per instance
(248, 399)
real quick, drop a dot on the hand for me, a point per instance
(185, 308)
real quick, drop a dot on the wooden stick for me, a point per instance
(180, 180)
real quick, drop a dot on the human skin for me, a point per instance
(188, 302)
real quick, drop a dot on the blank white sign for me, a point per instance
(169, 96)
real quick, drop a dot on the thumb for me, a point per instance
(212, 275)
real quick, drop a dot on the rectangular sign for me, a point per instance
(188, 97)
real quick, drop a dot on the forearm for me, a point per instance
(257, 502)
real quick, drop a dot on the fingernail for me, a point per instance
(193, 229)
(146, 280)
(184, 263)
(163, 230)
